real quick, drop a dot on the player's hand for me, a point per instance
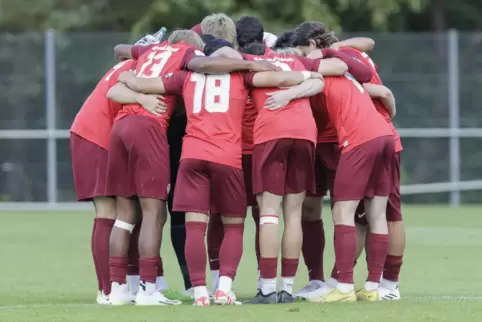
(315, 54)
(263, 66)
(277, 100)
(154, 104)
(316, 75)
(124, 77)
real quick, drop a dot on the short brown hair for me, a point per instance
(221, 26)
(190, 37)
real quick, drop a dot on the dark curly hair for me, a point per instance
(316, 31)
(284, 40)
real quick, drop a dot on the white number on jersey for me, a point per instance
(216, 90)
(283, 66)
(355, 82)
(370, 61)
(114, 69)
(154, 64)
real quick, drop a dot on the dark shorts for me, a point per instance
(207, 187)
(138, 159)
(248, 179)
(284, 166)
(365, 171)
(89, 165)
(394, 207)
(327, 156)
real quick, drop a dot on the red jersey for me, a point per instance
(377, 102)
(96, 117)
(160, 60)
(292, 121)
(138, 50)
(249, 118)
(352, 112)
(214, 108)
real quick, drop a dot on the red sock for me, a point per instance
(102, 235)
(148, 269)
(268, 267)
(255, 213)
(377, 249)
(214, 239)
(345, 252)
(196, 252)
(133, 255)
(94, 257)
(118, 269)
(289, 267)
(313, 248)
(231, 250)
(392, 267)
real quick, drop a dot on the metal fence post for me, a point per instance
(454, 115)
(50, 108)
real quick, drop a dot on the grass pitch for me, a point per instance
(46, 274)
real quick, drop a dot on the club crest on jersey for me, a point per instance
(168, 75)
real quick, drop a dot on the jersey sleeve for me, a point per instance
(248, 79)
(357, 68)
(138, 50)
(190, 53)
(174, 82)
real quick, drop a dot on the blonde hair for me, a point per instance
(289, 51)
(190, 37)
(221, 26)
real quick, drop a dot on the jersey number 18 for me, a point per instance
(216, 92)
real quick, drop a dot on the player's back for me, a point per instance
(292, 121)
(214, 107)
(159, 60)
(353, 112)
(96, 116)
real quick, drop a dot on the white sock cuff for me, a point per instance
(124, 225)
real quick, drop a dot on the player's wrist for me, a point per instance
(306, 75)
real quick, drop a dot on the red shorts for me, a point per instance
(248, 175)
(365, 171)
(138, 159)
(284, 166)
(89, 165)
(327, 156)
(207, 187)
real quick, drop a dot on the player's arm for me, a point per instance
(359, 70)
(360, 43)
(326, 67)
(154, 85)
(195, 61)
(384, 94)
(281, 98)
(279, 79)
(123, 52)
(120, 93)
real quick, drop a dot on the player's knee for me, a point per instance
(196, 216)
(268, 220)
(232, 220)
(124, 225)
(105, 207)
(311, 210)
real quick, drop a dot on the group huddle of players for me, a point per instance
(224, 117)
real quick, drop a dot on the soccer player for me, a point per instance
(140, 168)
(363, 172)
(89, 143)
(220, 26)
(384, 102)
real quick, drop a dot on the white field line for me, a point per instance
(80, 305)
